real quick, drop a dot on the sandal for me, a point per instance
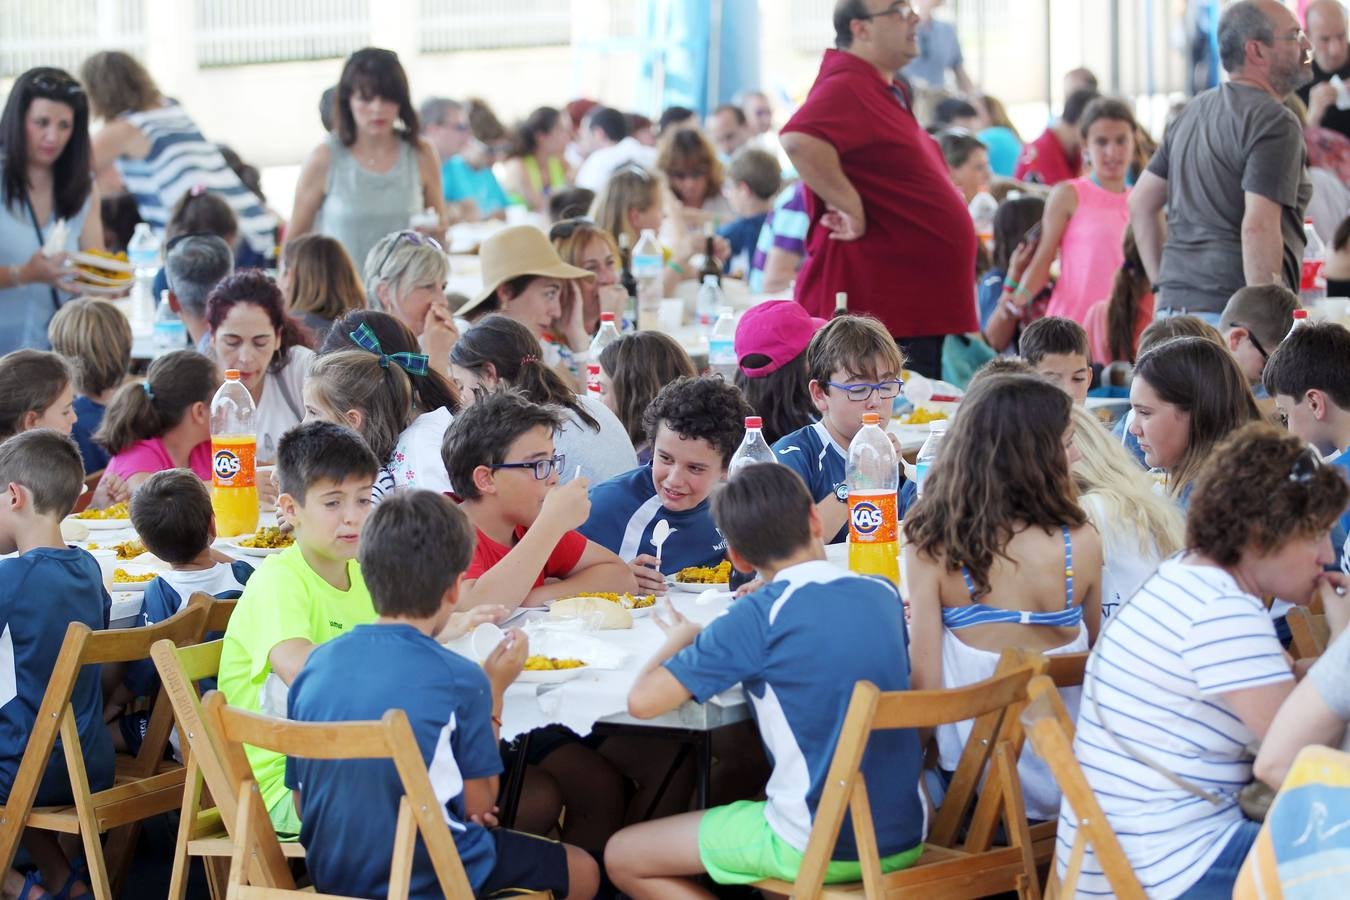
(32, 880)
(79, 874)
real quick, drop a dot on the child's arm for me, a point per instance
(511, 580)
(288, 658)
(924, 576)
(502, 667)
(599, 569)
(656, 690)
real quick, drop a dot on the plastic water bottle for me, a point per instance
(628, 282)
(1312, 285)
(593, 380)
(928, 452)
(754, 447)
(169, 333)
(982, 208)
(873, 475)
(1300, 318)
(710, 301)
(722, 345)
(143, 254)
(606, 334)
(647, 265)
(234, 449)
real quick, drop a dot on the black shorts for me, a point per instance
(525, 864)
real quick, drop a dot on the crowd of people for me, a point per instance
(1090, 260)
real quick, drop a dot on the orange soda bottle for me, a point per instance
(234, 447)
(873, 479)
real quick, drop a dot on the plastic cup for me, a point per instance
(485, 639)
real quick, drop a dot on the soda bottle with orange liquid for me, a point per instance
(234, 447)
(873, 479)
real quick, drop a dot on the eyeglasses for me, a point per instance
(1251, 336)
(690, 175)
(416, 238)
(60, 87)
(862, 391)
(1304, 469)
(542, 467)
(1299, 36)
(563, 230)
(895, 9)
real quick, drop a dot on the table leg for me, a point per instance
(665, 781)
(515, 780)
(703, 741)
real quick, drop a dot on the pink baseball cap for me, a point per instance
(778, 329)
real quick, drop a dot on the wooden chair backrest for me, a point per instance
(872, 710)
(390, 738)
(218, 612)
(180, 668)
(1051, 731)
(1310, 632)
(83, 646)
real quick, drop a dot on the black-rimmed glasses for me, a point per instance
(416, 238)
(542, 467)
(1251, 336)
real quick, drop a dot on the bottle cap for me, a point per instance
(593, 368)
(754, 422)
(1300, 314)
(871, 419)
(231, 374)
(607, 317)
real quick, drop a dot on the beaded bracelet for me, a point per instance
(1010, 285)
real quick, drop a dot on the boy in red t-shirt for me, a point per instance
(500, 458)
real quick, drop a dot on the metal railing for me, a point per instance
(240, 32)
(64, 32)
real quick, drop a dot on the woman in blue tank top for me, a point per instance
(45, 177)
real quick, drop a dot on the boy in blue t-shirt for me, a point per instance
(1309, 380)
(43, 589)
(414, 551)
(798, 645)
(694, 425)
(855, 367)
(754, 177)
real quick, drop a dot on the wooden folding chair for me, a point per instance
(946, 868)
(1051, 732)
(258, 870)
(1309, 631)
(203, 827)
(145, 785)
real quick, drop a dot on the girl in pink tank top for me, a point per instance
(1086, 217)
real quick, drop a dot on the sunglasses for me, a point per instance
(57, 86)
(563, 230)
(1305, 467)
(416, 238)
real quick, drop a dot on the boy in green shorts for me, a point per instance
(307, 594)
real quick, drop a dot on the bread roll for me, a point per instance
(609, 615)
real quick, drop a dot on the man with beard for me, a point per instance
(1232, 173)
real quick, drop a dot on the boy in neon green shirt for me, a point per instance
(305, 595)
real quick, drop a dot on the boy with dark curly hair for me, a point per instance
(694, 425)
(500, 456)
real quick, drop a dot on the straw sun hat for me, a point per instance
(515, 251)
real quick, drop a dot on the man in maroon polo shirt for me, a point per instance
(887, 225)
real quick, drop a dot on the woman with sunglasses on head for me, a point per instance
(1188, 674)
(375, 171)
(582, 243)
(537, 167)
(499, 350)
(252, 332)
(1001, 561)
(406, 274)
(45, 177)
(153, 148)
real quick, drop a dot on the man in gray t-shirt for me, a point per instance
(1231, 171)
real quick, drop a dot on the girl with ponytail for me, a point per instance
(499, 350)
(161, 423)
(1114, 325)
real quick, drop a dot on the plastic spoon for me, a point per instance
(659, 535)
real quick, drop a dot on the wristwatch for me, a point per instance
(841, 492)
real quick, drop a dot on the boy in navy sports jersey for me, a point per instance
(694, 425)
(500, 456)
(797, 645)
(43, 589)
(173, 516)
(414, 551)
(855, 368)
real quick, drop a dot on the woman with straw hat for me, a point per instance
(525, 279)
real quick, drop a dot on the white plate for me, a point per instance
(94, 290)
(102, 524)
(689, 587)
(130, 587)
(550, 676)
(233, 546)
(101, 262)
